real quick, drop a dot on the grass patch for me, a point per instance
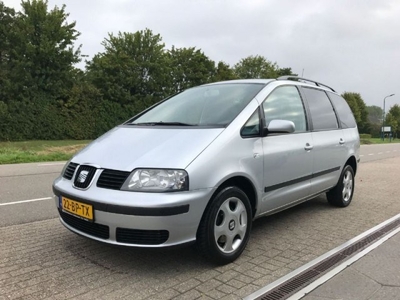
(37, 151)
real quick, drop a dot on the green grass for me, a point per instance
(36, 151)
(378, 141)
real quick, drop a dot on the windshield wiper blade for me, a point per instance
(162, 124)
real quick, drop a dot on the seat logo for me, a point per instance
(82, 176)
(231, 225)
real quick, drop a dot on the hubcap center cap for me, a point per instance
(232, 225)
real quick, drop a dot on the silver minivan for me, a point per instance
(201, 165)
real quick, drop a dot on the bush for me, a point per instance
(365, 136)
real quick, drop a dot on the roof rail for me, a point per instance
(297, 78)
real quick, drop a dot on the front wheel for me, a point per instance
(342, 194)
(225, 227)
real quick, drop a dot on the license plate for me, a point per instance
(82, 210)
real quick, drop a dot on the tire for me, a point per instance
(342, 194)
(225, 226)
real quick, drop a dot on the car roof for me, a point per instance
(258, 81)
(293, 79)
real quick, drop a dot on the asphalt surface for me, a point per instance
(27, 182)
(39, 258)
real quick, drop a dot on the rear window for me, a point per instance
(342, 108)
(322, 114)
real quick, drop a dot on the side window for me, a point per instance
(285, 103)
(322, 114)
(252, 126)
(342, 108)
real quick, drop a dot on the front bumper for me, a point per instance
(135, 219)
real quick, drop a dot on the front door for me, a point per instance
(288, 158)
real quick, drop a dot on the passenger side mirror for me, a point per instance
(279, 126)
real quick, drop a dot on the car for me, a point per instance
(200, 166)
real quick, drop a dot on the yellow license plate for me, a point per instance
(83, 210)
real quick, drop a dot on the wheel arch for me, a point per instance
(245, 185)
(205, 240)
(353, 163)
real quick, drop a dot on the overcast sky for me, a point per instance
(351, 45)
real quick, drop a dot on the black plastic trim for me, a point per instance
(70, 170)
(326, 172)
(140, 236)
(298, 180)
(130, 210)
(112, 179)
(94, 229)
(259, 124)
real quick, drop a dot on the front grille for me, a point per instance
(69, 171)
(112, 179)
(141, 237)
(94, 229)
(84, 176)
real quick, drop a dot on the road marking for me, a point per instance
(394, 150)
(371, 154)
(380, 152)
(361, 155)
(51, 164)
(25, 201)
(328, 254)
(388, 151)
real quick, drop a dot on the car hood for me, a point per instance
(126, 148)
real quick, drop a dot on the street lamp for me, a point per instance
(383, 120)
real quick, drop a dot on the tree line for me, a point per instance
(369, 118)
(43, 95)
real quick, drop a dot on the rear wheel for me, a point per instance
(342, 194)
(225, 227)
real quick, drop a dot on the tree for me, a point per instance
(37, 58)
(391, 121)
(375, 114)
(285, 72)
(359, 109)
(43, 50)
(189, 67)
(132, 70)
(256, 67)
(394, 113)
(224, 72)
(7, 19)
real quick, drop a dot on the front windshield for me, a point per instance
(212, 105)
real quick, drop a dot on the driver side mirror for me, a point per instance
(279, 126)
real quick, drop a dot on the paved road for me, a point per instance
(27, 182)
(382, 151)
(39, 258)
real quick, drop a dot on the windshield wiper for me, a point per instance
(162, 124)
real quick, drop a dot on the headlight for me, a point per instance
(156, 180)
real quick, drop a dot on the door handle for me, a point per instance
(308, 147)
(341, 141)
